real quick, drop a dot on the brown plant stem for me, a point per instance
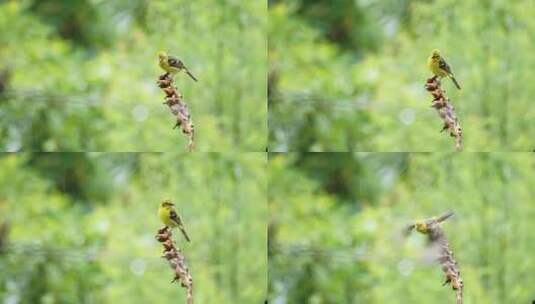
(174, 100)
(445, 109)
(177, 261)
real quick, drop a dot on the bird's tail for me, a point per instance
(455, 82)
(191, 75)
(184, 233)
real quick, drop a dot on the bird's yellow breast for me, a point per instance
(421, 227)
(164, 64)
(165, 215)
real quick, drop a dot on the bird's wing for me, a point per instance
(175, 62)
(408, 229)
(175, 217)
(443, 65)
(445, 216)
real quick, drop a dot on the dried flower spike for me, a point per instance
(175, 102)
(445, 109)
(177, 261)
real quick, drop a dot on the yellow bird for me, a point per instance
(170, 217)
(424, 226)
(172, 65)
(440, 67)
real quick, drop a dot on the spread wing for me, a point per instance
(408, 230)
(445, 216)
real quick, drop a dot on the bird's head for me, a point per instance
(167, 203)
(435, 53)
(421, 227)
(162, 55)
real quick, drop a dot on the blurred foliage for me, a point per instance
(354, 25)
(79, 228)
(80, 75)
(363, 90)
(327, 246)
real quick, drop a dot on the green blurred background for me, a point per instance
(348, 75)
(80, 75)
(79, 228)
(336, 221)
